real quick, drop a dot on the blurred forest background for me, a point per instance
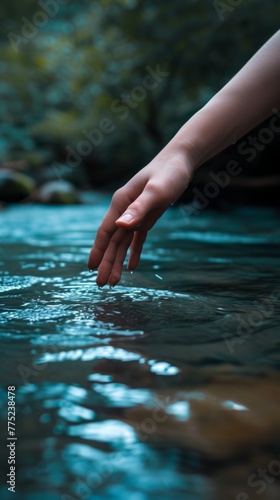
(67, 68)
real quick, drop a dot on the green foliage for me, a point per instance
(66, 77)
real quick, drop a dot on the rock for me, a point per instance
(218, 421)
(57, 193)
(60, 172)
(15, 186)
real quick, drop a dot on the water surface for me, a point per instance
(165, 386)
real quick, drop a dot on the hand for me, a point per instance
(134, 210)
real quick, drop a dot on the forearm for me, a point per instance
(242, 104)
(248, 99)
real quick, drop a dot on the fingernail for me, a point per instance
(125, 218)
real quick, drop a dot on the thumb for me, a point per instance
(135, 213)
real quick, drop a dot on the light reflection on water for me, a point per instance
(109, 381)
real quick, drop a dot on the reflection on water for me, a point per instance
(166, 386)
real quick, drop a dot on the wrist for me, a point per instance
(186, 148)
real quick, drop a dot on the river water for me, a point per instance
(165, 387)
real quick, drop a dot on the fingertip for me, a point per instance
(125, 218)
(114, 278)
(131, 267)
(125, 222)
(101, 280)
(91, 268)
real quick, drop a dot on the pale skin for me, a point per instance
(244, 102)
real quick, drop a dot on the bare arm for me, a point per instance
(248, 99)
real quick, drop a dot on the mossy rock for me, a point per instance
(58, 193)
(15, 186)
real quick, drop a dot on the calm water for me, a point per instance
(166, 386)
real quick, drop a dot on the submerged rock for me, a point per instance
(218, 421)
(57, 193)
(15, 186)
